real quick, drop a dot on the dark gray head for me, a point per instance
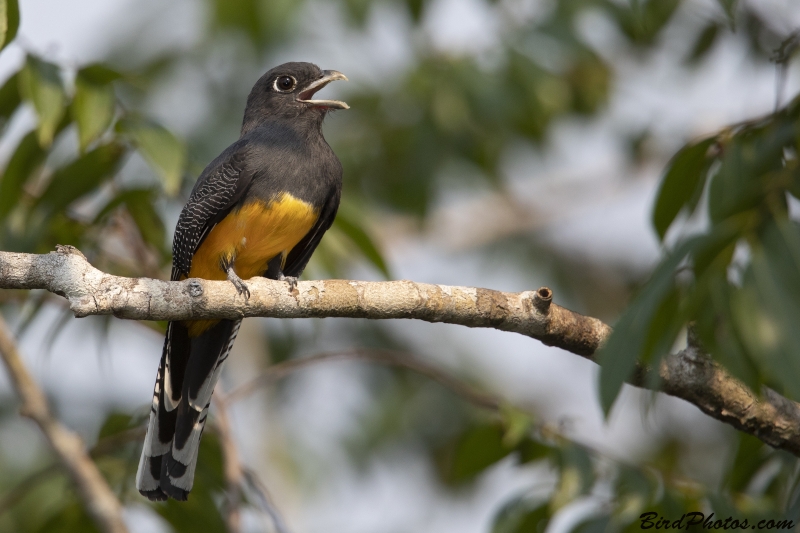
(286, 91)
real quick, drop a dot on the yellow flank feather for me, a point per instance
(250, 237)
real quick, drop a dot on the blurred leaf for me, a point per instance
(93, 107)
(262, 21)
(750, 457)
(635, 493)
(517, 425)
(576, 476)
(10, 97)
(748, 162)
(729, 7)
(81, 176)
(358, 10)
(141, 206)
(590, 79)
(715, 249)
(472, 452)
(9, 21)
(350, 227)
(415, 7)
(70, 519)
(114, 423)
(531, 450)
(705, 40)
(632, 334)
(28, 155)
(642, 20)
(685, 174)
(595, 524)
(99, 74)
(241, 14)
(521, 515)
(40, 84)
(769, 311)
(165, 153)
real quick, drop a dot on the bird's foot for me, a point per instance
(292, 280)
(241, 288)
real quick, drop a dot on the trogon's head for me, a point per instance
(288, 90)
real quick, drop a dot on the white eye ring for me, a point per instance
(275, 84)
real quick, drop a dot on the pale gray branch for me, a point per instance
(690, 374)
(98, 499)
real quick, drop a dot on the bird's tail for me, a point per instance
(189, 369)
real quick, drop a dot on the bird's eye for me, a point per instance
(285, 83)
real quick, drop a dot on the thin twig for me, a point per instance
(262, 494)
(386, 357)
(232, 467)
(99, 501)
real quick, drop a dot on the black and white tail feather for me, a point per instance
(189, 370)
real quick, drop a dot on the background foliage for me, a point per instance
(725, 213)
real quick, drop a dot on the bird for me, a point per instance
(259, 209)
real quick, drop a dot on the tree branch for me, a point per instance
(98, 499)
(231, 466)
(689, 375)
(387, 357)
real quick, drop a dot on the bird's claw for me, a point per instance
(241, 288)
(240, 285)
(291, 280)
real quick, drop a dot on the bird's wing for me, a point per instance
(219, 188)
(298, 257)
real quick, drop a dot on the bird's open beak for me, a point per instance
(327, 77)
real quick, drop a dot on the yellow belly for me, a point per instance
(249, 237)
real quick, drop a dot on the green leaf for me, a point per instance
(114, 423)
(348, 224)
(517, 425)
(704, 42)
(9, 97)
(472, 452)
(415, 8)
(81, 176)
(729, 7)
(632, 334)
(521, 515)
(27, 157)
(99, 74)
(69, 519)
(140, 203)
(40, 84)
(750, 163)
(577, 476)
(769, 309)
(751, 454)
(9, 21)
(530, 450)
(594, 524)
(93, 107)
(165, 153)
(685, 174)
(240, 14)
